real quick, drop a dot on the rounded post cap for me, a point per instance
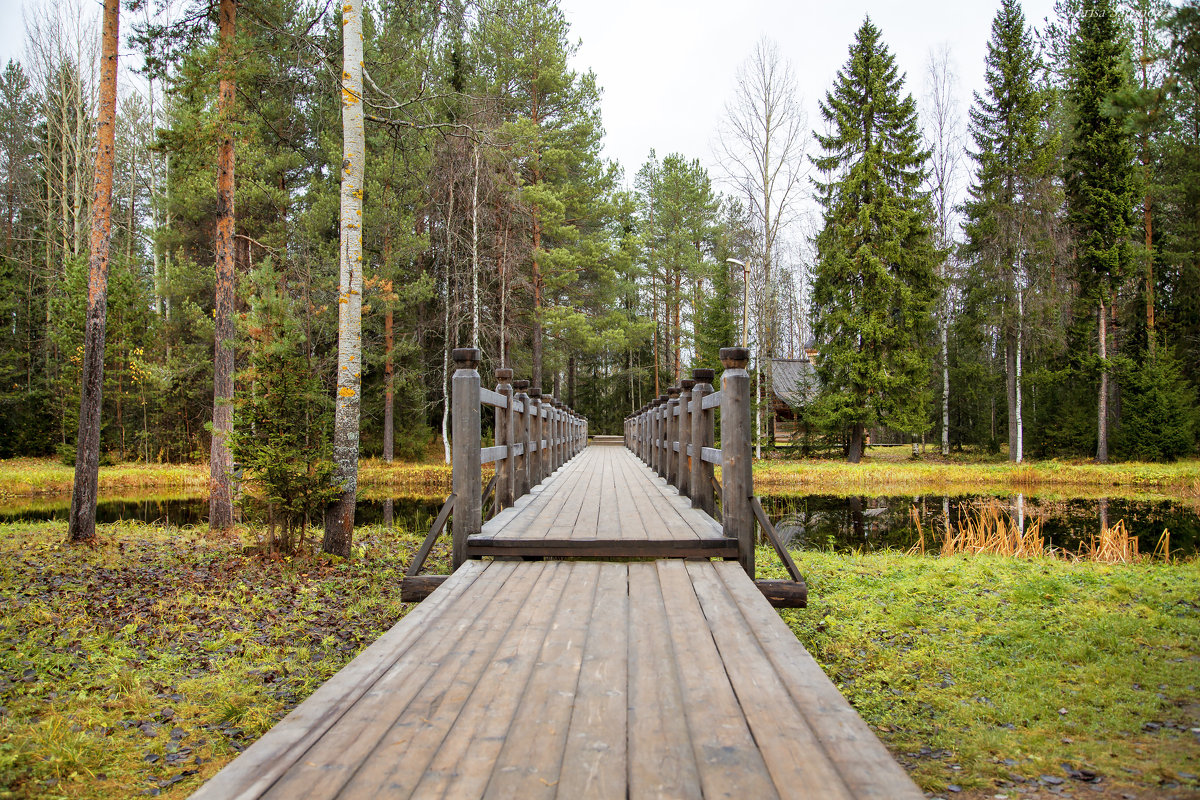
(466, 357)
(688, 383)
(735, 357)
(520, 385)
(535, 391)
(704, 375)
(662, 398)
(504, 375)
(673, 392)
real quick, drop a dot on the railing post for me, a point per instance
(521, 435)
(702, 436)
(736, 465)
(465, 467)
(655, 431)
(672, 463)
(662, 434)
(536, 465)
(560, 434)
(643, 445)
(684, 473)
(505, 469)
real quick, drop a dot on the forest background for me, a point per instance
(491, 219)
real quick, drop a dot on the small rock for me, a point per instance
(953, 788)
(1062, 711)
(178, 733)
(1051, 780)
(150, 758)
(149, 729)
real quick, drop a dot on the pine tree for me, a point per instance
(280, 433)
(1011, 199)
(874, 283)
(1100, 178)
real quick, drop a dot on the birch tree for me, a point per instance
(943, 134)
(339, 517)
(82, 525)
(762, 148)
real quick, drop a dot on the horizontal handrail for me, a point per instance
(489, 454)
(711, 401)
(711, 454)
(490, 398)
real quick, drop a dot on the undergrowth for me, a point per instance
(144, 663)
(990, 672)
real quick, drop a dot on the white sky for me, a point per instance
(667, 68)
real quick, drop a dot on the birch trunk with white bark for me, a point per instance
(339, 517)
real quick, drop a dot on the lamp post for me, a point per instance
(745, 294)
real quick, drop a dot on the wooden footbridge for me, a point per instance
(601, 636)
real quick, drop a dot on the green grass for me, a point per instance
(880, 476)
(977, 669)
(149, 660)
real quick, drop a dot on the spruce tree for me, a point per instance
(1011, 198)
(1100, 178)
(874, 284)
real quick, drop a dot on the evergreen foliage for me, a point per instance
(1158, 411)
(280, 440)
(874, 283)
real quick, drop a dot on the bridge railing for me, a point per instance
(674, 435)
(535, 435)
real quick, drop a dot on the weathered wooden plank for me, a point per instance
(711, 401)
(786, 742)
(333, 759)
(727, 757)
(465, 760)
(530, 762)
(661, 758)
(278, 750)
(399, 757)
(595, 764)
(479, 547)
(861, 759)
(711, 454)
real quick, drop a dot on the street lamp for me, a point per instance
(745, 293)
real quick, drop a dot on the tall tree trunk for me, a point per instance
(339, 517)
(1020, 452)
(945, 384)
(389, 346)
(475, 253)
(1010, 383)
(536, 328)
(854, 455)
(1102, 413)
(1149, 226)
(82, 525)
(220, 501)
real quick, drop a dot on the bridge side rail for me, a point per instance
(535, 435)
(674, 435)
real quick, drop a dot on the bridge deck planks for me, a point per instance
(604, 502)
(579, 679)
(576, 679)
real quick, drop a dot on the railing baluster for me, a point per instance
(736, 465)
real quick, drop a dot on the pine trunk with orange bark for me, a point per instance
(82, 525)
(220, 501)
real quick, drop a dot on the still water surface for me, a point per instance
(809, 521)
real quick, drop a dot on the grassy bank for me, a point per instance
(34, 477)
(987, 673)
(879, 476)
(25, 477)
(150, 660)
(146, 662)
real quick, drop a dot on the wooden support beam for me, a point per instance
(481, 546)
(415, 588)
(784, 594)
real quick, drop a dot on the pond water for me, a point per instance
(872, 523)
(807, 521)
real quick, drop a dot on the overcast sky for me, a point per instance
(668, 68)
